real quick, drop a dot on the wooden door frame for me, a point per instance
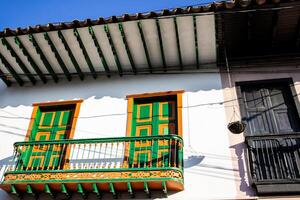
(132, 97)
(36, 106)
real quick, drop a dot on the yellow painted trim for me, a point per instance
(42, 119)
(52, 159)
(32, 118)
(138, 119)
(57, 103)
(129, 116)
(155, 94)
(179, 114)
(35, 157)
(161, 104)
(170, 126)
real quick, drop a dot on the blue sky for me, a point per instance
(23, 13)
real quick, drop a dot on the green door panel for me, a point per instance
(50, 124)
(152, 117)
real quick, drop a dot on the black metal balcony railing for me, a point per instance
(274, 159)
(104, 153)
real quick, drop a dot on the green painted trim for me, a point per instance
(178, 43)
(11, 70)
(47, 190)
(130, 190)
(57, 56)
(19, 61)
(101, 140)
(99, 50)
(29, 190)
(165, 190)
(14, 191)
(81, 190)
(43, 57)
(139, 24)
(96, 190)
(112, 190)
(113, 49)
(196, 42)
(121, 29)
(85, 54)
(5, 78)
(146, 189)
(72, 58)
(161, 45)
(64, 190)
(30, 59)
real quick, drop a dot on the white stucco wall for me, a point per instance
(208, 169)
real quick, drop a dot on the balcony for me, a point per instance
(96, 165)
(274, 162)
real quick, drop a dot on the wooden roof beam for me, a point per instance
(43, 57)
(178, 43)
(19, 61)
(121, 29)
(274, 28)
(196, 42)
(99, 50)
(11, 70)
(297, 35)
(5, 78)
(161, 45)
(249, 31)
(57, 56)
(113, 49)
(85, 54)
(72, 58)
(30, 59)
(139, 24)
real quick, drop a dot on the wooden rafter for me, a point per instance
(121, 29)
(43, 57)
(85, 54)
(19, 61)
(11, 70)
(113, 49)
(57, 56)
(178, 43)
(249, 30)
(5, 78)
(274, 27)
(297, 35)
(196, 41)
(99, 50)
(139, 24)
(161, 45)
(30, 59)
(68, 49)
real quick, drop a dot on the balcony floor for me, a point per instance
(167, 179)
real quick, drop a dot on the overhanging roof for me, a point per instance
(171, 40)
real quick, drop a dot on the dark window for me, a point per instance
(272, 136)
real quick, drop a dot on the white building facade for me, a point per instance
(125, 64)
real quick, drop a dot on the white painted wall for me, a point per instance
(208, 169)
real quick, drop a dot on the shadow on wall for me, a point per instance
(240, 151)
(115, 87)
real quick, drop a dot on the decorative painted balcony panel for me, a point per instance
(94, 165)
(274, 162)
